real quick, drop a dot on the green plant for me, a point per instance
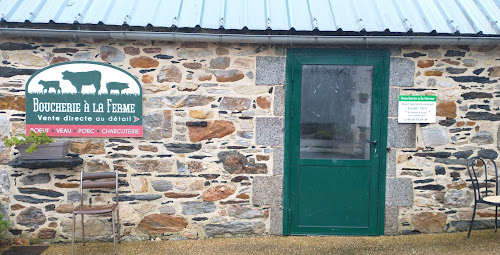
(4, 225)
(32, 139)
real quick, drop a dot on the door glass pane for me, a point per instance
(336, 106)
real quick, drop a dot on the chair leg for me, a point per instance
(496, 217)
(114, 233)
(73, 243)
(472, 222)
(118, 220)
(83, 232)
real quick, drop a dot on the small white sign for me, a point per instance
(417, 109)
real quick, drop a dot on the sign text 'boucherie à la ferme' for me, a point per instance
(417, 109)
(84, 99)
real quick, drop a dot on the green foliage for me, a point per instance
(324, 134)
(33, 139)
(4, 225)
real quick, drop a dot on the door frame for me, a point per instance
(384, 54)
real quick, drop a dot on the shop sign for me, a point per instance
(417, 109)
(84, 99)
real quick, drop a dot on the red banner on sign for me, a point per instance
(86, 130)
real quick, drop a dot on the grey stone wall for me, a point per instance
(229, 182)
(210, 162)
(426, 186)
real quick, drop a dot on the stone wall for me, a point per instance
(209, 164)
(427, 189)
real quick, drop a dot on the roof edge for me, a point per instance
(246, 38)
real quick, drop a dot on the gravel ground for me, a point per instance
(481, 242)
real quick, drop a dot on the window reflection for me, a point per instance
(335, 115)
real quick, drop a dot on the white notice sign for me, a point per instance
(417, 109)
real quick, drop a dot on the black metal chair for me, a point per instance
(481, 193)
(94, 181)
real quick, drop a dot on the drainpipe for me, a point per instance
(239, 38)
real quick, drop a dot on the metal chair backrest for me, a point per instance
(473, 174)
(93, 181)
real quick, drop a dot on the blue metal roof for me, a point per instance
(398, 16)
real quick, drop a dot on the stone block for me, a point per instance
(435, 136)
(4, 124)
(269, 131)
(270, 71)
(395, 51)
(36, 179)
(498, 140)
(429, 222)
(111, 54)
(195, 207)
(398, 192)
(4, 182)
(280, 50)
(393, 101)
(276, 221)
(162, 185)
(278, 160)
(95, 228)
(391, 220)
(391, 164)
(402, 72)
(401, 135)
(235, 228)
(267, 190)
(279, 101)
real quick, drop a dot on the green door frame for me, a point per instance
(384, 56)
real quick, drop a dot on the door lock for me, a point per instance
(374, 142)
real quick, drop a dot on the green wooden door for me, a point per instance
(336, 122)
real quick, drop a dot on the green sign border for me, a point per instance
(136, 128)
(82, 62)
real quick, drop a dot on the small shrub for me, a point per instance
(33, 139)
(4, 225)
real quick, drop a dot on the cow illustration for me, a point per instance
(79, 79)
(50, 84)
(116, 86)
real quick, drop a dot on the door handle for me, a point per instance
(374, 142)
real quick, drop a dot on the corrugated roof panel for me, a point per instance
(368, 16)
(421, 16)
(390, 21)
(299, 15)
(190, 13)
(119, 12)
(344, 15)
(277, 17)
(321, 16)
(139, 14)
(409, 12)
(213, 14)
(24, 11)
(433, 17)
(491, 9)
(71, 12)
(255, 14)
(48, 11)
(8, 7)
(457, 17)
(234, 14)
(479, 22)
(167, 13)
(97, 10)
